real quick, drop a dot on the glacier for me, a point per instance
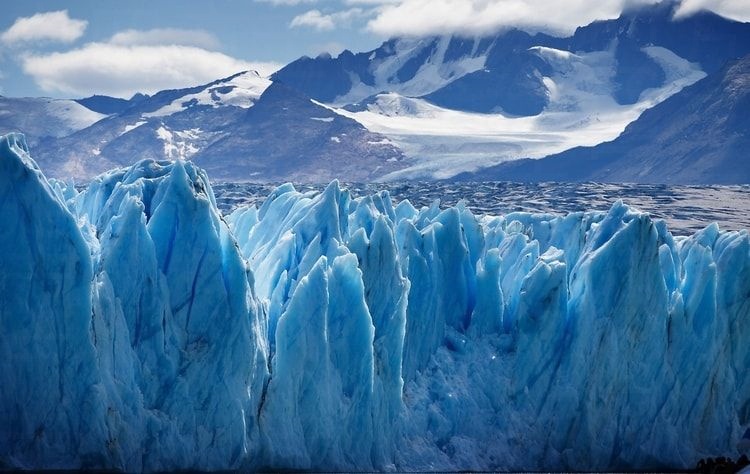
(142, 330)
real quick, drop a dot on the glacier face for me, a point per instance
(142, 330)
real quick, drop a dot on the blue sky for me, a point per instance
(80, 47)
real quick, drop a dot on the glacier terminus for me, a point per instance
(142, 330)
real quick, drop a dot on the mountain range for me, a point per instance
(240, 127)
(646, 97)
(506, 72)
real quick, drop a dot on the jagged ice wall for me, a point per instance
(142, 330)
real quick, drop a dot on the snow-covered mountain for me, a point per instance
(141, 330)
(699, 135)
(456, 104)
(40, 118)
(241, 127)
(505, 72)
(581, 111)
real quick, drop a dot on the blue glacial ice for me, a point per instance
(142, 330)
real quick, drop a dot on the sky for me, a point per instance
(77, 48)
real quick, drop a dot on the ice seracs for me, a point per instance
(329, 332)
(123, 305)
(48, 363)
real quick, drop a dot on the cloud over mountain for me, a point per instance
(166, 36)
(391, 18)
(122, 70)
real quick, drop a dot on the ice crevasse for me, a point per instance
(141, 330)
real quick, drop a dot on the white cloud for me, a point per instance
(121, 70)
(735, 9)
(471, 17)
(314, 19)
(426, 17)
(166, 36)
(323, 22)
(49, 26)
